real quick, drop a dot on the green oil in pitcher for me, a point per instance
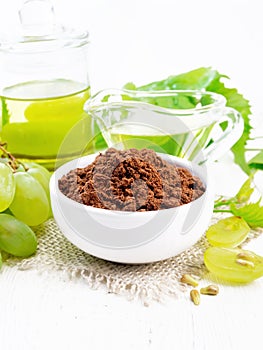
(145, 119)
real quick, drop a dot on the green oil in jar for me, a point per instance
(38, 116)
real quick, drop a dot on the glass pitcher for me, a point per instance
(43, 87)
(195, 125)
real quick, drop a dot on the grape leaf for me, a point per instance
(237, 101)
(210, 80)
(245, 191)
(257, 161)
(196, 79)
(252, 213)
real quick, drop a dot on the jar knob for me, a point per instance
(37, 18)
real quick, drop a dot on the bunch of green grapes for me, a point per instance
(24, 202)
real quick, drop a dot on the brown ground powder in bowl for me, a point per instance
(131, 180)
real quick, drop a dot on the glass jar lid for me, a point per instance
(39, 31)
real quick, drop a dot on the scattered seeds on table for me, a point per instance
(188, 279)
(210, 290)
(195, 296)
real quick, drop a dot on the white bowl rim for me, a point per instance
(54, 189)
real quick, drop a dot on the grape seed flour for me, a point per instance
(131, 180)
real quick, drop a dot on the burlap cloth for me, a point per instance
(149, 282)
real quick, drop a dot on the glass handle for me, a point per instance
(224, 142)
(37, 18)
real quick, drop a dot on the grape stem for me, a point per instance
(13, 162)
(222, 211)
(224, 202)
(253, 149)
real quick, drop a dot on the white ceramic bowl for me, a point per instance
(132, 237)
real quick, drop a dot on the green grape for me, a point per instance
(1, 260)
(45, 183)
(39, 173)
(4, 160)
(16, 238)
(43, 170)
(7, 162)
(7, 186)
(228, 233)
(234, 265)
(30, 203)
(7, 211)
(41, 177)
(20, 169)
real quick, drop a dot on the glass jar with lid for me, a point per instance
(43, 87)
